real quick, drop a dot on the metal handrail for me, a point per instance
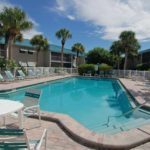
(124, 114)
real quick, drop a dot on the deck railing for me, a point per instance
(42, 70)
(134, 74)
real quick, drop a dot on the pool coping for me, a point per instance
(123, 140)
(39, 81)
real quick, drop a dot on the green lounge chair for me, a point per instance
(16, 139)
(1, 78)
(31, 73)
(10, 76)
(32, 103)
(21, 74)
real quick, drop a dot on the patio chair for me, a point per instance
(1, 78)
(32, 103)
(31, 73)
(39, 72)
(21, 74)
(46, 72)
(16, 139)
(10, 76)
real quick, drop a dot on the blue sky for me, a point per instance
(93, 23)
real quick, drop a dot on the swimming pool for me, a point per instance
(89, 101)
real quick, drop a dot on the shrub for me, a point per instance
(86, 68)
(105, 67)
(144, 66)
(10, 64)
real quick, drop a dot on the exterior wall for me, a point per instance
(24, 57)
(43, 58)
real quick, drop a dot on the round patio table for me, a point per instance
(8, 106)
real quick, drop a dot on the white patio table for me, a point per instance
(8, 106)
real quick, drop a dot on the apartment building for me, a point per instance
(23, 52)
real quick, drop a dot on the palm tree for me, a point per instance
(79, 49)
(40, 43)
(63, 34)
(129, 44)
(116, 50)
(14, 21)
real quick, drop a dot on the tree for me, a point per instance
(116, 51)
(99, 55)
(63, 34)
(78, 48)
(40, 43)
(14, 21)
(129, 44)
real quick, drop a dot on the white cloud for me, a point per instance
(112, 16)
(70, 17)
(30, 33)
(26, 34)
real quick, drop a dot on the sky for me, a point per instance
(94, 23)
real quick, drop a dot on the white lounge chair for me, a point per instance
(1, 78)
(21, 74)
(46, 72)
(16, 139)
(31, 73)
(32, 103)
(10, 76)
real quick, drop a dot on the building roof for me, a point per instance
(53, 48)
(144, 51)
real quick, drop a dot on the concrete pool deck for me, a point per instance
(27, 82)
(123, 140)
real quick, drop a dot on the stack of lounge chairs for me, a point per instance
(30, 73)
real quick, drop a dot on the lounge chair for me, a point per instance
(31, 74)
(46, 72)
(21, 74)
(1, 78)
(39, 72)
(88, 74)
(32, 103)
(10, 76)
(16, 139)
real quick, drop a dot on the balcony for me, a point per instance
(58, 59)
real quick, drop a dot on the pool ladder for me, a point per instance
(124, 114)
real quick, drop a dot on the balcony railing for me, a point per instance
(58, 58)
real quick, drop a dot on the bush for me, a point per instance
(11, 64)
(86, 68)
(105, 67)
(144, 66)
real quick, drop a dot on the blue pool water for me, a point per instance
(89, 101)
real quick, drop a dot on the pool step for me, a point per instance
(113, 129)
(110, 130)
(135, 124)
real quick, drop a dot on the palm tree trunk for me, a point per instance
(10, 48)
(118, 63)
(77, 59)
(37, 56)
(126, 60)
(62, 55)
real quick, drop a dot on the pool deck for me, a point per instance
(67, 133)
(6, 86)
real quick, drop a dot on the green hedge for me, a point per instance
(144, 66)
(90, 68)
(86, 68)
(104, 67)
